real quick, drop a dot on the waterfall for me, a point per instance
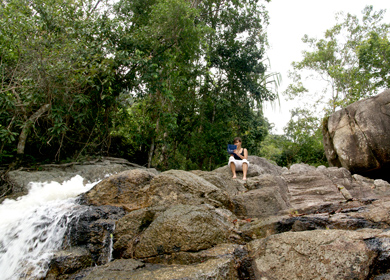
(32, 227)
(111, 246)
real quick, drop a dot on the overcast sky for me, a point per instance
(289, 22)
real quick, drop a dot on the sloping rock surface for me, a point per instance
(297, 223)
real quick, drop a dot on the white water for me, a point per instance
(32, 227)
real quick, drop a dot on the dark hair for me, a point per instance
(237, 139)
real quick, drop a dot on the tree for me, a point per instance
(165, 34)
(57, 91)
(232, 82)
(305, 133)
(301, 143)
(204, 86)
(334, 59)
(170, 81)
(374, 59)
(344, 61)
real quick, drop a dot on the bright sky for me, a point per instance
(290, 20)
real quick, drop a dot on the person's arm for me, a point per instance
(245, 154)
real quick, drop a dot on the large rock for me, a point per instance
(181, 187)
(321, 254)
(68, 262)
(357, 136)
(140, 188)
(183, 228)
(264, 202)
(218, 269)
(93, 229)
(353, 215)
(309, 187)
(280, 223)
(127, 189)
(225, 183)
(129, 227)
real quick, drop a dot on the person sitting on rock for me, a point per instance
(238, 161)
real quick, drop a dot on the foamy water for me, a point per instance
(32, 227)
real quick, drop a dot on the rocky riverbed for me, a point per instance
(296, 223)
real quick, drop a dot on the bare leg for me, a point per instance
(233, 168)
(244, 170)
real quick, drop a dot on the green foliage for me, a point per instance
(302, 141)
(335, 60)
(53, 53)
(304, 132)
(202, 78)
(166, 83)
(374, 59)
(351, 61)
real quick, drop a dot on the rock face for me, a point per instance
(297, 223)
(357, 136)
(128, 189)
(183, 228)
(320, 254)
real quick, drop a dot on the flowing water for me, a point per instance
(32, 227)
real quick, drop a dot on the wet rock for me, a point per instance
(91, 171)
(381, 246)
(20, 180)
(69, 261)
(93, 229)
(118, 269)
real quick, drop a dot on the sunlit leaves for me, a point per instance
(334, 60)
(374, 59)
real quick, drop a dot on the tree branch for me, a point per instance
(27, 125)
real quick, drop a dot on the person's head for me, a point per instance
(237, 141)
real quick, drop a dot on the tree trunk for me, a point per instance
(152, 146)
(151, 151)
(26, 128)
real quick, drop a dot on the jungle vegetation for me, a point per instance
(166, 83)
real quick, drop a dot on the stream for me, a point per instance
(32, 227)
